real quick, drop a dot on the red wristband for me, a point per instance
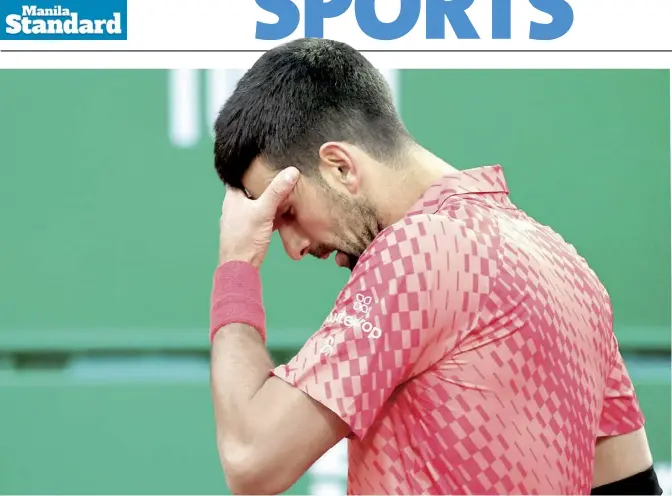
(236, 298)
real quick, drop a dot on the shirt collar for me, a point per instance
(488, 179)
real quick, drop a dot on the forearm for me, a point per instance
(239, 368)
(268, 432)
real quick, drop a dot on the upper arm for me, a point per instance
(621, 413)
(621, 447)
(621, 456)
(293, 431)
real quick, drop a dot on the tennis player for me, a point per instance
(472, 349)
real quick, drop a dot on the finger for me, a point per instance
(280, 187)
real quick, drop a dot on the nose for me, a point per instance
(296, 245)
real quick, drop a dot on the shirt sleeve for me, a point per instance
(620, 413)
(406, 302)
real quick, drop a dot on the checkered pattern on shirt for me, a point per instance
(496, 368)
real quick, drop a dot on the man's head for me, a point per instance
(320, 106)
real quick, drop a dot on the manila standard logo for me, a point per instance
(98, 20)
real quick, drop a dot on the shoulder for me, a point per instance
(416, 241)
(421, 253)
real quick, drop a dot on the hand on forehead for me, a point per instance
(259, 178)
(279, 189)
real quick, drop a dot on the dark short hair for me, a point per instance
(298, 96)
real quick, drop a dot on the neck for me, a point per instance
(403, 187)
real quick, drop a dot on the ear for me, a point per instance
(339, 166)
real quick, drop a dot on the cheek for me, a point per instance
(318, 223)
(312, 224)
(319, 215)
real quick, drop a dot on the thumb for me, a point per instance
(280, 187)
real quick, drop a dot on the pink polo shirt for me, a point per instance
(471, 351)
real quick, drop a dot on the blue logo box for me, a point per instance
(64, 20)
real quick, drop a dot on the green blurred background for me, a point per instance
(109, 209)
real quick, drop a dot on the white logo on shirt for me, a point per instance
(356, 322)
(362, 304)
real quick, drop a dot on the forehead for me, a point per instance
(257, 178)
